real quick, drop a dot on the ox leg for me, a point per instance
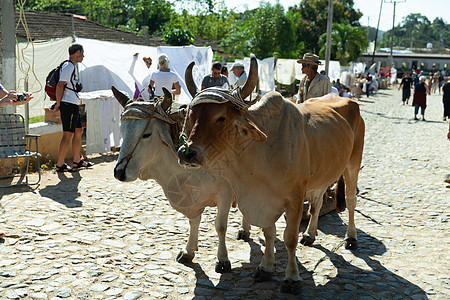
(186, 255)
(223, 265)
(351, 179)
(267, 266)
(292, 276)
(315, 204)
(244, 232)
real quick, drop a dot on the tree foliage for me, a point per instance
(347, 42)
(130, 15)
(265, 31)
(178, 37)
(311, 19)
(415, 31)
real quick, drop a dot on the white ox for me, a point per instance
(148, 152)
(275, 154)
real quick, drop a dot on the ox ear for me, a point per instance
(249, 129)
(121, 97)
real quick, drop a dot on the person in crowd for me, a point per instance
(67, 102)
(148, 61)
(406, 84)
(339, 87)
(11, 98)
(141, 93)
(368, 84)
(446, 99)
(421, 89)
(224, 71)
(440, 81)
(434, 80)
(163, 78)
(239, 72)
(215, 78)
(313, 84)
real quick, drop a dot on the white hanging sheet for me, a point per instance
(103, 121)
(180, 57)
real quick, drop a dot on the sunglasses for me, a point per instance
(148, 62)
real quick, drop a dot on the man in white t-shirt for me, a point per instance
(67, 101)
(163, 78)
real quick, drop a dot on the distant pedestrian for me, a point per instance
(434, 81)
(406, 84)
(440, 81)
(421, 89)
(446, 99)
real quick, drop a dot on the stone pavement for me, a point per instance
(89, 236)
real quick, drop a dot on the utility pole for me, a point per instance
(376, 33)
(393, 27)
(329, 29)
(8, 48)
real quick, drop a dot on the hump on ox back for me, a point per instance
(148, 152)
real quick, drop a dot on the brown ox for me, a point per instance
(275, 154)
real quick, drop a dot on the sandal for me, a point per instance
(82, 164)
(65, 168)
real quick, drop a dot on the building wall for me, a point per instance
(410, 61)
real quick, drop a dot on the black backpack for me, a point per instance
(52, 81)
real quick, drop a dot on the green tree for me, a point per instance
(263, 31)
(178, 37)
(311, 19)
(347, 42)
(130, 15)
(415, 31)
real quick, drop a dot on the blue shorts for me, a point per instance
(70, 116)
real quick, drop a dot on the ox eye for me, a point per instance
(221, 119)
(146, 136)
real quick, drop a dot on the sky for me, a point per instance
(371, 8)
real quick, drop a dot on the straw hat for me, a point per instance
(311, 59)
(237, 65)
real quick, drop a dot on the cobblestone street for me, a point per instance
(87, 235)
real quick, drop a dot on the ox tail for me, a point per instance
(340, 195)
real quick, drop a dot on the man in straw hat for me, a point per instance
(239, 71)
(314, 84)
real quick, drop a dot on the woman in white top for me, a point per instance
(163, 78)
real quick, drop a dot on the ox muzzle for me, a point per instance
(189, 156)
(120, 173)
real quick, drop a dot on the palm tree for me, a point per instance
(347, 42)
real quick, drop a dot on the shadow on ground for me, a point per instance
(352, 281)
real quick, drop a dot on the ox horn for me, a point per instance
(167, 100)
(121, 97)
(252, 78)
(192, 88)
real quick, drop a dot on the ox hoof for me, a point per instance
(290, 287)
(243, 235)
(307, 240)
(183, 257)
(260, 275)
(223, 267)
(351, 243)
